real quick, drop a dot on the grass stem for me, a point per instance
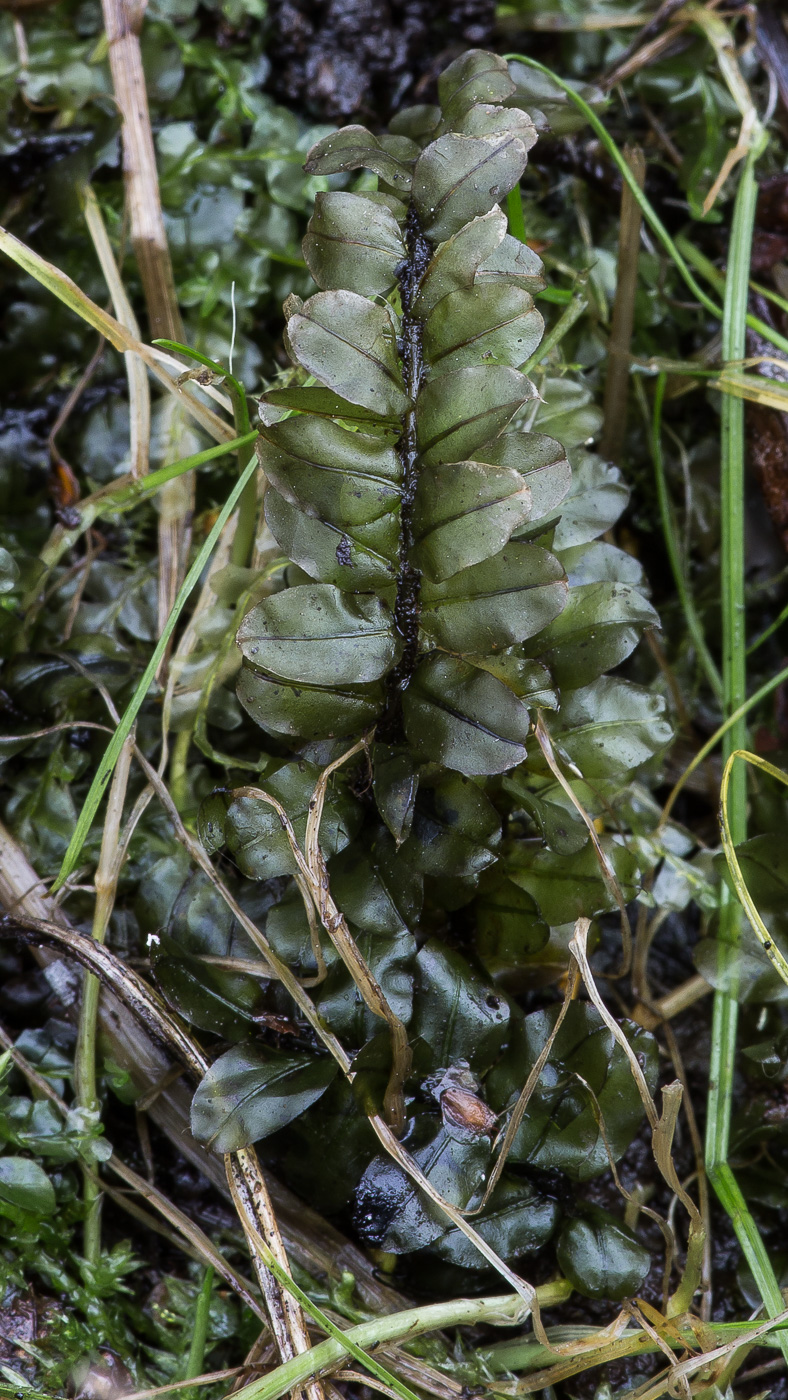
(85, 1078)
(670, 534)
(202, 1313)
(734, 681)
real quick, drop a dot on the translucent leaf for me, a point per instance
(353, 241)
(612, 726)
(395, 782)
(25, 1187)
(315, 633)
(476, 76)
(600, 562)
(599, 627)
(418, 123)
(253, 834)
(459, 411)
(390, 959)
(568, 890)
(315, 712)
(350, 345)
(537, 93)
(484, 119)
(249, 1093)
(568, 411)
(463, 717)
(455, 262)
(509, 926)
(456, 830)
(458, 1013)
(348, 478)
(207, 997)
(393, 1213)
(485, 324)
(518, 1220)
(496, 603)
(559, 1129)
(530, 680)
(378, 889)
(311, 398)
(465, 512)
(541, 460)
(459, 177)
(596, 499)
(512, 262)
(354, 558)
(355, 146)
(601, 1257)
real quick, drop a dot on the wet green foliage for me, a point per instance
(447, 582)
(436, 569)
(86, 1313)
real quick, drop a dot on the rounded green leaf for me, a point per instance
(350, 345)
(459, 177)
(25, 1186)
(354, 146)
(596, 499)
(560, 1128)
(249, 1093)
(456, 831)
(455, 262)
(395, 782)
(355, 558)
(251, 829)
(317, 634)
(312, 398)
(612, 726)
(347, 478)
(489, 323)
(541, 460)
(419, 123)
(298, 711)
(566, 890)
(393, 1213)
(601, 1257)
(459, 411)
(463, 717)
(496, 603)
(509, 926)
(537, 91)
(484, 119)
(390, 960)
(457, 1013)
(514, 262)
(476, 76)
(599, 627)
(353, 241)
(216, 1001)
(9, 572)
(465, 512)
(518, 1220)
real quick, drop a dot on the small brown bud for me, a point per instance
(462, 1109)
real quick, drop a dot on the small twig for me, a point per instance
(623, 317)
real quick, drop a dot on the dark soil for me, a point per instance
(338, 59)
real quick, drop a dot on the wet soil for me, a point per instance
(337, 59)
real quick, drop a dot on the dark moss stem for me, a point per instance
(406, 607)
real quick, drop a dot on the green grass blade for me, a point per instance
(734, 680)
(107, 764)
(694, 625)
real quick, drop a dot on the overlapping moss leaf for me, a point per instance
(445, 583)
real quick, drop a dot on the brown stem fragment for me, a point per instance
(623, 318)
